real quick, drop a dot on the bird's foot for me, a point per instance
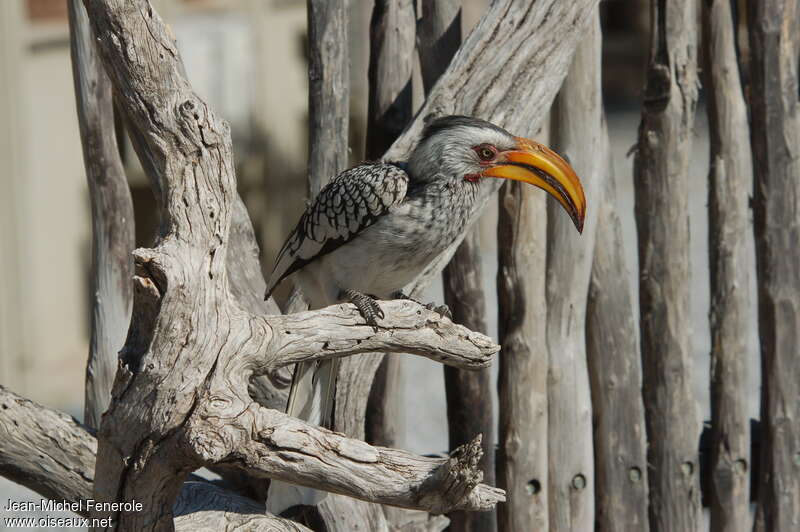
(366, 305)
(441, 310)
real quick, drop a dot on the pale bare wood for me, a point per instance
(578, 131)
(661, 186)
(522, 385)
(615, 374)
(54, 455)
(775, 135)
(730, 185)
(112, 216)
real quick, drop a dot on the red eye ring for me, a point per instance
(485, 152)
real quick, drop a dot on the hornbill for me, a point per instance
(375, 227)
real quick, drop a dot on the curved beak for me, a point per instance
(538, 165)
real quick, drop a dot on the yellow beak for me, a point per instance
(538, 165)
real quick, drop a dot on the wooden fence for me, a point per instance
(598, 427)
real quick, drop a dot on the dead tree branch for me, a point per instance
(54, 455)
(112, 236)
(661, 197)
(730, 185)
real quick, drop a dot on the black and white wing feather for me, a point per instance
(350, 203)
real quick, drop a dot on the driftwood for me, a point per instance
(661, 197)
(730, 183)
(54, 455)
(112, 236)
(615, 374)
(775, 115)
(578, 131)
(522, 383)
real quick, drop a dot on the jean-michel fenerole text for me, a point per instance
(80, 506)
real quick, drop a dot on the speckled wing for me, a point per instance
(347, 205)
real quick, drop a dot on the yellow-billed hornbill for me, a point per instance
(375, 227)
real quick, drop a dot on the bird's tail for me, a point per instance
(311, 398)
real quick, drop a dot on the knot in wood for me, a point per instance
(657, 88)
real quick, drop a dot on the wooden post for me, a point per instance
(775, 115)
(328, 91)
(577, 132)
(391, 60)
(615, 373)
(661, 194)
(522, 384)
(730, 183)
(113, 237)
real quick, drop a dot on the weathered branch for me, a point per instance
(730, 184)
(775, 135)
(661, 191)
(112, 216)
(408, 327)
(290, 450)
(579, 132)
(54, 455)
(44, 450)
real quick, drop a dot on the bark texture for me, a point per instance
(54, 455)
(730, 183)
(578, 132)
(112, 236)
(661, 191)
(775, 116)
(615, 375)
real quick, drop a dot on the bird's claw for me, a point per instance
(367, 306)
(441, 310)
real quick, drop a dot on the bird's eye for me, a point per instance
(486, 152)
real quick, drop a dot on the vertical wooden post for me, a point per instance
(328, 91)
(615, 373)
(522, 384)
(391, 61)
(577, 132)
(775, 115)
(112, 235)
(661, 193)
(730, 182)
